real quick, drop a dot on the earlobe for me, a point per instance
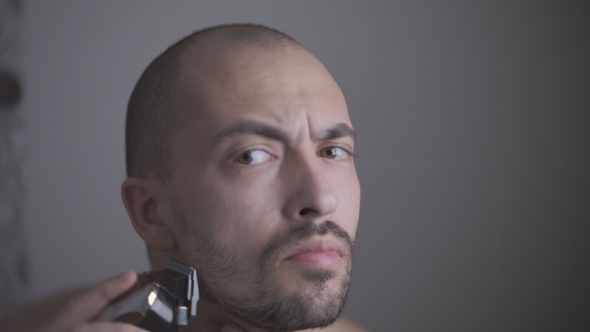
(141, 200)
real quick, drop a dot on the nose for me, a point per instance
(309, 195)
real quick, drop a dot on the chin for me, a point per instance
(317, 303)
(287, 294)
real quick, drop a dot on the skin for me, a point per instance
(76, 310)
(73, 310)
(238, 189)
(241, 188)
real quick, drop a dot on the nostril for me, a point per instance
(305, 211)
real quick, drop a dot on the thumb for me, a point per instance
(86, 306)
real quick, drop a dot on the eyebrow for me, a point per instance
(249, 127)
(339, 131)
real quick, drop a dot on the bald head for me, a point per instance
(156, 104)
(245, 145)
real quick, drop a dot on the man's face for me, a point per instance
(264, 194)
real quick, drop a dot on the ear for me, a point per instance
(141, 198)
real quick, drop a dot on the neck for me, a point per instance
(212, 317)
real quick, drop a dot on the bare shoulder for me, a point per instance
(344, 325)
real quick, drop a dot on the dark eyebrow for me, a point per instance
(251, 128)
(338, 131)
(261, 129)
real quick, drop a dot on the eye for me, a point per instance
(334, 152)
(253, 157)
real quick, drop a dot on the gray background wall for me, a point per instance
(473, 151)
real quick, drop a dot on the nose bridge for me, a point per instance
(309, 193)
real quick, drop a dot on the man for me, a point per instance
(239, 161)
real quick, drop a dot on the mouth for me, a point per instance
(323, 253)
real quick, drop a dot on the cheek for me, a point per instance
(232, 213)
(250, 220)
(349, 203)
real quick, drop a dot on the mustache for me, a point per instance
(273, 249)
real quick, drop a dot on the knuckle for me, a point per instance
(73, 305)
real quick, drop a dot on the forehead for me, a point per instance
(282, 87)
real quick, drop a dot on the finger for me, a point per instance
(86, 306)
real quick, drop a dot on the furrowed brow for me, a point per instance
(338, 131)
(250, 128)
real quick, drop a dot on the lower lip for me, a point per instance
(316, 258)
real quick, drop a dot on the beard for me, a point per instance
(265, 304)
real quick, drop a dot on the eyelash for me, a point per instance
(248, 153)
(346, 152)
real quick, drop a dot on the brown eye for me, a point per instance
(253, 157)
(244, 158)
(334, 152)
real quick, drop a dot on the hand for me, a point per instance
(76, 311)
(78, 314)
(81, 311)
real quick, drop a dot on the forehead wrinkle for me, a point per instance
(249, 127)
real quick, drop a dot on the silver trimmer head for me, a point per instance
(159, 301)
